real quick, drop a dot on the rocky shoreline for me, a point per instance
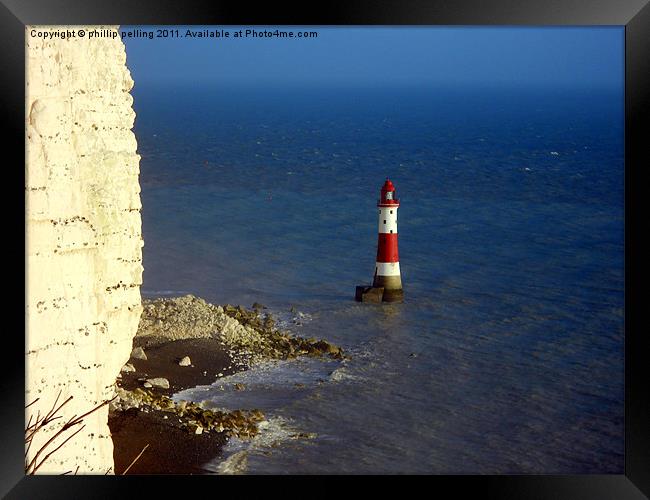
(181, 343)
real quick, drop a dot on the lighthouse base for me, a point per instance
(393, 282)
(393, 295)
(377, 295)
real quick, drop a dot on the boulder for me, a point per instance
(332, 349)
(138, 353)
(128, 368)
(185, 361)
(369, 294)
(160, 382)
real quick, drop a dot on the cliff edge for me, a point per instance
(83, 237)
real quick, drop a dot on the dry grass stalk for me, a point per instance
(135, 460)
(41, 421)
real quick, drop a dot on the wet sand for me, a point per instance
(208, 358)
(172, 450)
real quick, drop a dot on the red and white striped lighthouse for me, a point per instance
(387, 274)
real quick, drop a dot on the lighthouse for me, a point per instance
(387, 281)
(387, 275)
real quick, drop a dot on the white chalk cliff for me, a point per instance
(83, 237)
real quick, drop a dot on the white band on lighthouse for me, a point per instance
(387, 269)
(388, 220)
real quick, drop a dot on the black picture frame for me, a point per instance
(633, 14)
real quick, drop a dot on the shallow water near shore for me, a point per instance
(507, 354)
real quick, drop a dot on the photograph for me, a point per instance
(336, 250)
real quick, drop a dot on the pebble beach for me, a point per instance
(182, 343)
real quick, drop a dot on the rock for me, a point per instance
(370, 294)
(303, 435)
(138, 353)
(185, 361)
(239, 387)
(199, 430)
(147, 384)
(160, 382)
(249, 335)
(128, 368)
(332, 349)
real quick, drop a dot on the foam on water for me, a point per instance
(266, 386)
(274, 432)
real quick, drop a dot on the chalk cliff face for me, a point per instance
(83, 237)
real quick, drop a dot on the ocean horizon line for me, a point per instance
(374, 86)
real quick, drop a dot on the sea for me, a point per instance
(506, 356)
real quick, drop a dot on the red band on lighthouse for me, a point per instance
(387, 248)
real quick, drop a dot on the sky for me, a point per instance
(590, 57)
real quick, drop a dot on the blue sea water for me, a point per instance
(507, 353)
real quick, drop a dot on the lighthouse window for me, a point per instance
(389, 195)
(391, 211)
(391, 230)
(384, 221)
